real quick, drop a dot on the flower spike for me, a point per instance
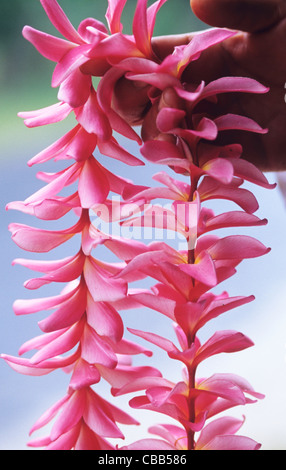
(84, 331)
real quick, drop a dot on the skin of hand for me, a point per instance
(257, 51)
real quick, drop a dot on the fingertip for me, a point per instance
(217, 13)
(248, 15)
(200, 8)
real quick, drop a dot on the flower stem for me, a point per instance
(192, 414)
(191, 370)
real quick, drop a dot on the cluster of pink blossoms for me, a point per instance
(84, 334)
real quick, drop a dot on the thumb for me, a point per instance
(251, 16)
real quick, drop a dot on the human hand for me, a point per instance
(256, 51)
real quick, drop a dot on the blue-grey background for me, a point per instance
(25, 85)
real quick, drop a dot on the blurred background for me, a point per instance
(25, 79)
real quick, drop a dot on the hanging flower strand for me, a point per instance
(85, 333)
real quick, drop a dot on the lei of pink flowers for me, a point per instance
(84, 334)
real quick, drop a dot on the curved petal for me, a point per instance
(59, 19)
(93, 186)
(113, 15)
(50, 47)
(49, 115)
(149, 444)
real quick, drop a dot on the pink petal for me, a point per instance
(223, 342)
(39, 342)
(66, 441)
(159, 80)
(49, 115)
(138, 65)
(69, 64)
(101, 423)
(125, 347)
(200, 42)
(181, 187)
(50, 47)
(210, 189)
(219, 169)
(172, 434)
(151, 15)
(233, 84)
(125, 376)
(105, 93)
(215, 309)
(232, 443)
(169, 118)
(148, 194)
(116, 47)
(67, 314)
(93, 186)
(65, 342)
(113, 15)
(49, 414)
(101, 284)
(40, 241)
(156, 217)
(70, 415)
(233, 219)
(93, 119)
(176, 278)
(203, 270)
(234, 121)
(88, 440)
(23, 366)
(142, 383)
(75, 89)
(191, 96)
(221, 426)
(104, 319)
(46, 266)
(23, 307)
(82, 145)
(140, 29)
(113, 411)
(112, 149)
(92, 30)
(149, 444)
(220, 386)
(76, 144)
(237, 247)
(54, 149)
(153, 338)
(125, 250)
(55, 186)
(235, 380)
(117, 183)
(59, 19)
(96, 350)
(51, 209)
(155, 302)
(184, 55)
(205, 129)
(84, 375)
(248, 171)
(161, 150)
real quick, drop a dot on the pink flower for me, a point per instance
(218, 435)
(83, 333)
(84, 421)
